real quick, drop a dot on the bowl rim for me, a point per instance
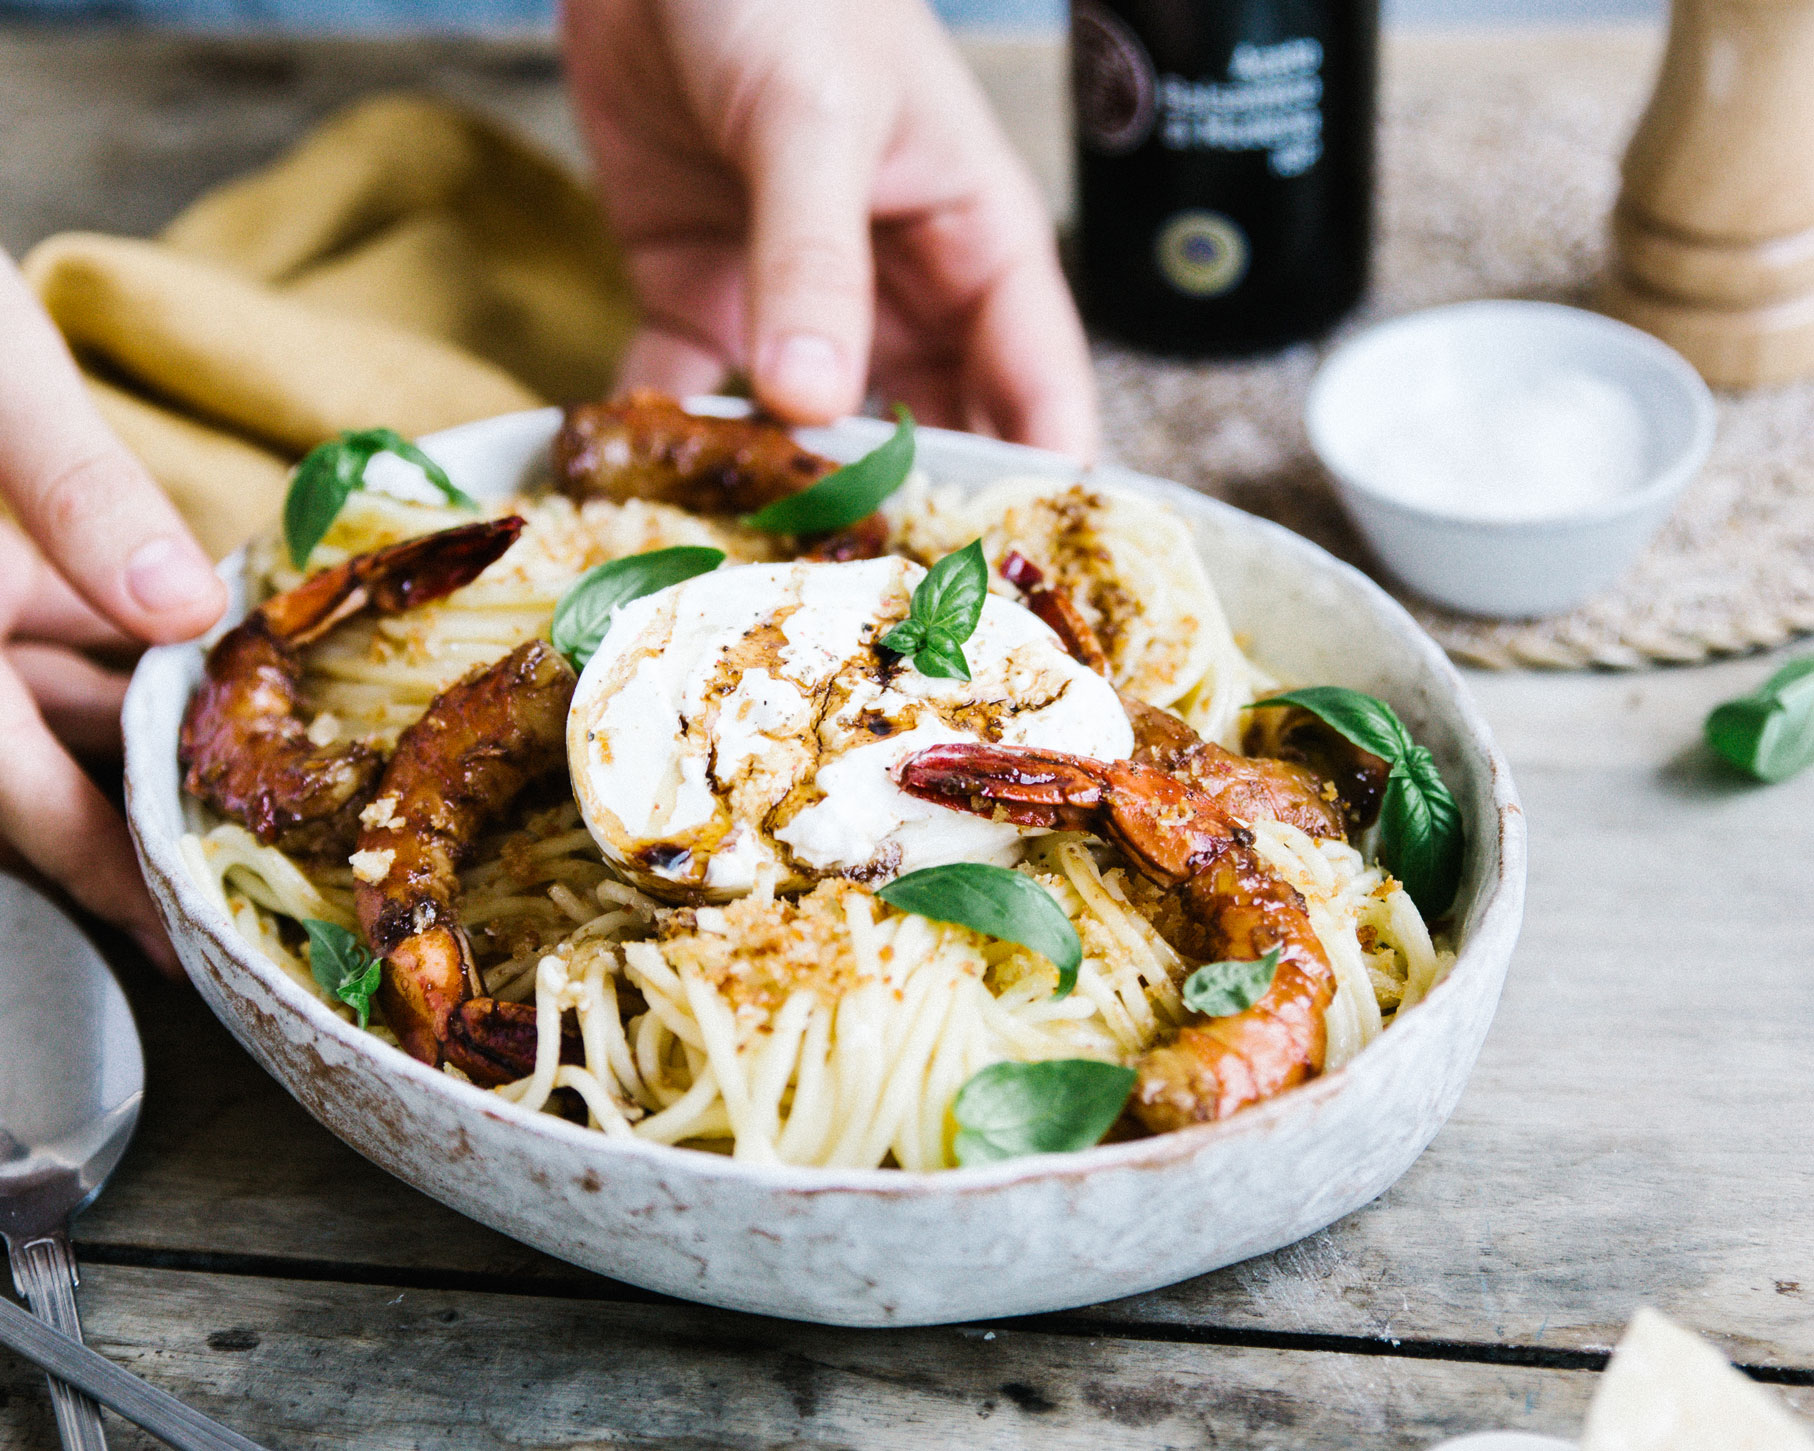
(1501, 900)
(1663, 486)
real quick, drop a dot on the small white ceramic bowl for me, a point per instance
(878, 1246)
(1518, 567)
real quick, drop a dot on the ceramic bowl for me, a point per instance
(882, 1247)
(1516, 567)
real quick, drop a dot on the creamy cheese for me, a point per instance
(747, 721)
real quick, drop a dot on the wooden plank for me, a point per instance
(1635, 1130)
(296, 1365)
(116, 131)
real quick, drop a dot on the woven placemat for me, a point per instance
(1499, 162)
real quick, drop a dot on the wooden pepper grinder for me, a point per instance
(1713, 235)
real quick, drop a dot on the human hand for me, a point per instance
(816, 192)
(113, 566)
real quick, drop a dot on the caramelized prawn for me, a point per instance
(1214, 898)
(646, 446)
(1251, 787)
(245, 748)
(1292, 734)
(1254, 788)
(454, 771)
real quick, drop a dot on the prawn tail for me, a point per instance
(425, 980)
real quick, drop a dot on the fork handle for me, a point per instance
(44, 1272)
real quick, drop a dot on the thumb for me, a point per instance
(810, 301)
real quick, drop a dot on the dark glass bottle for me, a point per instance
(1225, 168)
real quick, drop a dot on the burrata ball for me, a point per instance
(746, 723)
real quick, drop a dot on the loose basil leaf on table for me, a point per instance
(943, 614)
(1222, 989)
(1054, 1107)
(332, 472)
(343, 967)
(1420, 831)
(996, 902)
(583, 617)
(845, 495)
(1769, 733)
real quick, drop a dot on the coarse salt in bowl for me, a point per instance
(1509, 458)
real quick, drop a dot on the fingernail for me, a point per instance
(169, 573)
(807, 372)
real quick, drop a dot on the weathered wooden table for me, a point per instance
(1638, 1128)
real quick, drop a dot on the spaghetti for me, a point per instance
(827, 1028)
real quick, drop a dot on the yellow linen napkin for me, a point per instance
(408, 264)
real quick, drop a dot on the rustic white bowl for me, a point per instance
(1507, 568)
(881, 1247)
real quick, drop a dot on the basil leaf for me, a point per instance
(942, 658)
(1222, 989)
(906, 637)
(583, 617)
(997, 902)
(1365, 720)
(944, 612)
(845, 495)
(1420, 835)
(1054, 1107)
(330, 473)
(340, 963)
(1769, 733)
(950, 598)
(1420, 831)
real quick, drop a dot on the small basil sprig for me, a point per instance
(1054, 1107)
(583, 617)
(946, 606)
(996, 902)
(1769, 733)
(1420, 832)
(340, 963)
(1222, 989)
(332, 472)
(845, 495)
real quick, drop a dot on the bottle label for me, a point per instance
(1271, 102)
(1112, 80)
(1201, 253)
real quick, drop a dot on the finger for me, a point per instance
(905, 370)
(811, 165)
(1027, 366)
(87, 502)
(979, 274)
(36, 601)
(79, 700)
(65, 828)
(672, 363)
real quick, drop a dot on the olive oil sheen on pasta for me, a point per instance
(1225, 168)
